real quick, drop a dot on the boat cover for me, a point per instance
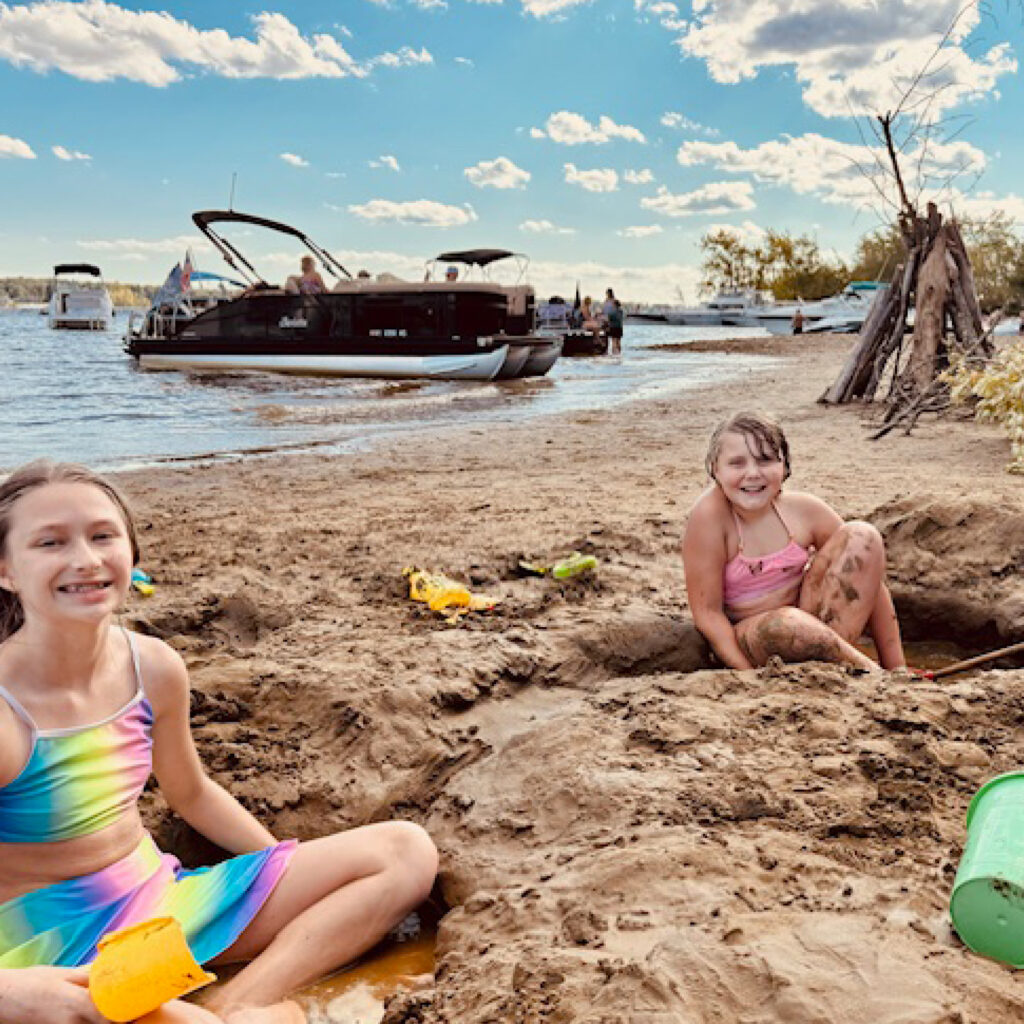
(76, 268)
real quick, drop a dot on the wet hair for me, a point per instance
(761, 432)
(30, 477)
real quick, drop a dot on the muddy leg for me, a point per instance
(795, 635)
(844, 582)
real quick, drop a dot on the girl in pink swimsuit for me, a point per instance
(779, 573)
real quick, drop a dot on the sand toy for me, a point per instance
(142, 583)
(440, 593)
(568, 567)
(987, 904)
(140, 968)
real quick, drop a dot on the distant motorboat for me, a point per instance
(842, 313)
(724, 308)
(76, 301)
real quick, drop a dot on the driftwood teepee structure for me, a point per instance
(934, 279)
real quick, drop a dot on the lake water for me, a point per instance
(76, 395)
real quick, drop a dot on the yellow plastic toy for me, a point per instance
(140, 968)
(439, 592)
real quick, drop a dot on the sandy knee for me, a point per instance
(411, 855)
(863, 536)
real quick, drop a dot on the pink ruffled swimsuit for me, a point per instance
(747, 581)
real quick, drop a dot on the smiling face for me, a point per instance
(750, 475)
(68, 554)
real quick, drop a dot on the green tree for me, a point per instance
(794, 268)
(728, 264)
(997, 259)
(791, 267)
(878, 253)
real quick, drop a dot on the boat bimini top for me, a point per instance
(481, 258)
(76, 268)
(204, 218)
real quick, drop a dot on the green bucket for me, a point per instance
(987, 905)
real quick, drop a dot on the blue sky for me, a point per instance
(602, 138)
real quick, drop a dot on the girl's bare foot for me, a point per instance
(286, 1012)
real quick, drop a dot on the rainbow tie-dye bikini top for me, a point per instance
(79, 780)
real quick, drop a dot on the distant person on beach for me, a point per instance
(88, 709)
(770, 572)
(309, 282)
(798, 322)
(616, 318)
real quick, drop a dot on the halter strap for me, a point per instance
(739, 531)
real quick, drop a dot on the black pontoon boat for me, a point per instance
(361, 327)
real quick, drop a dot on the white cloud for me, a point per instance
(718, 197)
(499, 173)
(673, 119)
(642, 231)
(850, 56)
(137, 248)
(430, 5)
(69, 154)
(838, 172)
(572, 129)
(544, 227)
(420, 212)
(599, 179)
(644, 177)
(294, 159)
(99, 41)
(465, 61)
(11, 147)
(548, 8)
(403, 58)
(748, 232)
(386, 160)
(980, 205)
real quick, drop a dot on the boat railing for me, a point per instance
(154, 323)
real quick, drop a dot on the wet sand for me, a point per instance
(626, 835)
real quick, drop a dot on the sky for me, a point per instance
(601, 138)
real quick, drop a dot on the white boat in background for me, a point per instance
(76, 301)
(842, 313)
(724, 308)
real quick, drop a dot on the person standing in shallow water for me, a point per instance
(798, 322)
(87, 710)
(779, 573)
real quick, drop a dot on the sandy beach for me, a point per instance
(626, 834)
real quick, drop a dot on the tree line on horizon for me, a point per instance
(794, 267)
(37, 289)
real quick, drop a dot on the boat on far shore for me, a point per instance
(842, 314)
(723, 309)
(76, 301)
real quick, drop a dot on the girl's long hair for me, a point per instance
(38, 474)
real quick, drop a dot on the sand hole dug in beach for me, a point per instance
(630, 836)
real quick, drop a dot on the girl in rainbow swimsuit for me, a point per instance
(779, 573)
(87, 711)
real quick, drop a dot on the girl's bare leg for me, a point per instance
(843, 584)
(795, 635)
(339, 896)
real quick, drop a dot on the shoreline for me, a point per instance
(619, 827)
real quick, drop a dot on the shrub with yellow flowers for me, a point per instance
(997, 389)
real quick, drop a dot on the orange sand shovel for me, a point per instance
(140, 968)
